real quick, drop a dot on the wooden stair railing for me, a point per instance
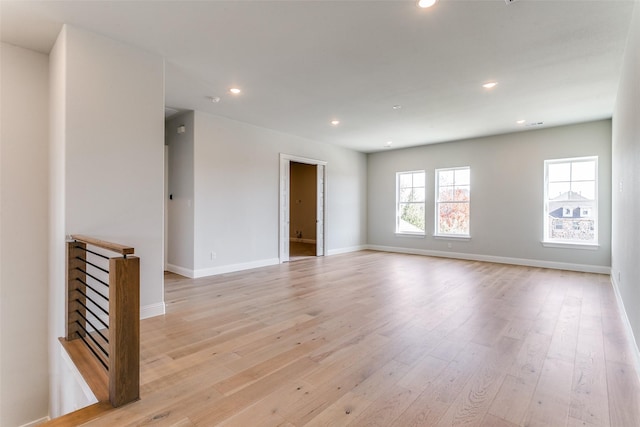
(103, 311)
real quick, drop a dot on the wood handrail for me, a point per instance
(114, 247)
(116, 347)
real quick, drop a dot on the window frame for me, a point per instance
(424, 203)
(547, 241)
(436, 232)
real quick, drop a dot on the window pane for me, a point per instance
(406, 195)
(571, 205)
(573, 229)
(583, 171)
(462, 176)
(418, 179)
(445, 177)
(462, 193)
(559, 191)
(559, 172)
(411, 217)
(583, 190)
(453, 218)
(405, 180)
(445, 194)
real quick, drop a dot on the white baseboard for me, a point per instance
(346, 250)
(186, 272)
(497, 259)
(36, 422)
(152, 310)
(627, 324)
(212, 271)
(295, 239)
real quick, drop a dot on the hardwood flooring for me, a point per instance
(380, 339)
(299, 250)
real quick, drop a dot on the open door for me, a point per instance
(285, 209)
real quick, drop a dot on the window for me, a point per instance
(410, 202)
(453, 190)
(571, 201)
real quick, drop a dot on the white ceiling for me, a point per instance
(302, 63)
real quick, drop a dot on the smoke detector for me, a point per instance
(510, 1)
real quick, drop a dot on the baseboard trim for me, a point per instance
(231, 268)
(497, 259)
(152, 310)
(627, 324)
(186, 272)
(36, 422)
(347, 250)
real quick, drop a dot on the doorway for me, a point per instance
(302, 207)
(302, 210)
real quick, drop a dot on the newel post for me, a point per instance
(124, 323)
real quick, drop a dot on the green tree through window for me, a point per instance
(410, 211)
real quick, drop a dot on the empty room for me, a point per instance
(313, 213)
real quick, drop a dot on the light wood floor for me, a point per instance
(377, 339)
(299, 250)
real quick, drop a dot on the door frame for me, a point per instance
(284, 202)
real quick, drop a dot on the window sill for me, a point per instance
(585, 246)
(413, 235)
(450, 237)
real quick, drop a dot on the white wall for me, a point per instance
(107, 125)
(24, 391)
(626, 180)
(181, 187)
(115, 149)
(237, 190)
(507, 175)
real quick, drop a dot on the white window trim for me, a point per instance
(410, 233)
(570, 244)
(452, 237)
(437, 202)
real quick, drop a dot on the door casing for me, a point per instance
(284, 208)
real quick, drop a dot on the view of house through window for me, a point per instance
(410, 213)
(571, 200)
(453, 190)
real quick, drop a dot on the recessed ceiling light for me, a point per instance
(521, 122)
(489, 85)
(388, 144)
(426, 3)
(235, 90)
(335, 122)
(397, 107)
